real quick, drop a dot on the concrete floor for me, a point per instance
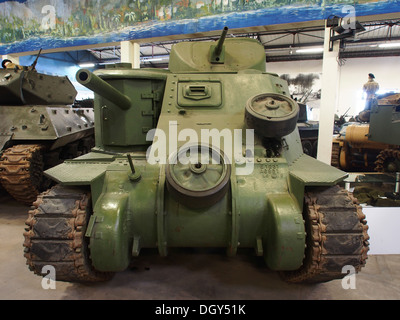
(187, 275)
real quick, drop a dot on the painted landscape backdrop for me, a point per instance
(28, 25)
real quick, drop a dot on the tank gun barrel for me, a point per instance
(218, 48)
(102, 88)
(217, 52)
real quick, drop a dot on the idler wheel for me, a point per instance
(198, 176)
(272, 115)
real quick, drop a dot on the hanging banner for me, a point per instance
(28, 25)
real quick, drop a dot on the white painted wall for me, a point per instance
(383, 229)
(294, 67)
(353, 74)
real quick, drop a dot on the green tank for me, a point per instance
(205, 154)
(39, 128)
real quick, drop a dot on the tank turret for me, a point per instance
(205, 154)
(93, 82)
(124, 117)
(228, 55)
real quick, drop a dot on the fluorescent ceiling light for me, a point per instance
(106, 63)
(86, 65)
(156, 58)
(310, 50)
(152, 59)
(389, 45)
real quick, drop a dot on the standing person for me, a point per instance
(370, 88)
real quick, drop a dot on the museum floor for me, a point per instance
(183, 275)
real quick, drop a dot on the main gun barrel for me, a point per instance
(102, 88)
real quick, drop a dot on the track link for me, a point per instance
(21, 172)
(56, 235)
(383, 156)
(335, 155)
(336, 236)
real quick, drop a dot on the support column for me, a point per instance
(329, 94)
(130, 52)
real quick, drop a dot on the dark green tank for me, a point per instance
(206, 154)
(39, 128)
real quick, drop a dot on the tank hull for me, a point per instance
(205, 154)
(54, 126)
(35, 138)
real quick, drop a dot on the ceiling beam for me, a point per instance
(369, 54)
(294, 57)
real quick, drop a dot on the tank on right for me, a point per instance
(372, 142)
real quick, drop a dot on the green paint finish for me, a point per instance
(136, 205)
(385, 124)
(36, 108)
(263, 210)
(195, 56)
(285, 240)
(116, 112)
(110, 239)
(77, 173)
(316, 173)
(187, 227)
(26, 86)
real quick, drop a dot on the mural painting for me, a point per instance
(28, 25)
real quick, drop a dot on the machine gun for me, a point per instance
(341, 120)
(33, 65)
(8, 64)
